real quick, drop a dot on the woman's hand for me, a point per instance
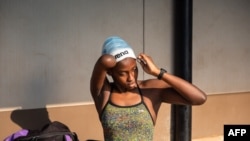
(148, 65)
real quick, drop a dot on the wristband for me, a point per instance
(161, 73)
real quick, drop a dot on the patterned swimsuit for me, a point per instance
(127, 123)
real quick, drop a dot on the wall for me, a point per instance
(221, 109)
(221, 45)
(48, 48)
(208, 120)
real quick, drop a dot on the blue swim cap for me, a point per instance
(117, 47)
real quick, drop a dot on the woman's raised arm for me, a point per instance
(98, 78)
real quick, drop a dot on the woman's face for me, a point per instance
(125, 74)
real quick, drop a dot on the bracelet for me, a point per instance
(161, 73)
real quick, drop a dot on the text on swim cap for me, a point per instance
(121, 54)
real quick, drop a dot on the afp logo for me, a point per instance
(121, 54)
(236, 132)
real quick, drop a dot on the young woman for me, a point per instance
(128, 107)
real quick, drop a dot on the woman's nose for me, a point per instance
(130, 76)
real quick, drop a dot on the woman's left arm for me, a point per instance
(177, 90)
(183, 89)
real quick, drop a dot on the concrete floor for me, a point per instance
(217, 138)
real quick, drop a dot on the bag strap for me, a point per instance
(69, 136)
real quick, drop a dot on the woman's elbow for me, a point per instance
(200, 100)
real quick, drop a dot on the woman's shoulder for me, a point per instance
(152, 83)
(150, 89)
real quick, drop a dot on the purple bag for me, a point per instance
(55, 131)
(20, 133)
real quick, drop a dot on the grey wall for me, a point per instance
(221, 45)
(48, 47)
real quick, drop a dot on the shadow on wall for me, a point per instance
(31, 119)
(37, 90)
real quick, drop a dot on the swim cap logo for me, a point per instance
(121, 54)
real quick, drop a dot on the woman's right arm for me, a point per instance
(98, 78)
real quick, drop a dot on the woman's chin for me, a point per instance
(131, 86)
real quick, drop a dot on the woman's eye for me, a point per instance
(121, 73)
